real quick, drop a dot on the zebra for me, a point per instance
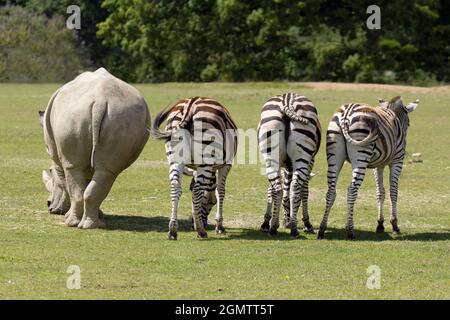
(367, 138)
(289, 135)
(209, 136)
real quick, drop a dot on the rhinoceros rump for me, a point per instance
(95, 127)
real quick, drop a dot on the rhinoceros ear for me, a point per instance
(41, 117)
(47, 180)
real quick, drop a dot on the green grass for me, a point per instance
(133, 259)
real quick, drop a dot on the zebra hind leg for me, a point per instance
(336, 155)
(277, 194)
(220, 195)
(191, 187)
(286, 202)
(331, 196)
(394, 175)
(300, 176)
(175, 175)
(265, 226)
(308, 228)
(359, 165)
(304, 194)
(378, 174)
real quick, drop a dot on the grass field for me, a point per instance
(132, 258)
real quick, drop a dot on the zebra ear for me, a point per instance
(410, 107)
(383, 103)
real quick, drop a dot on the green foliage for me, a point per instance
(91, 14)
(233, 40)
(237, 40)
(35, 48)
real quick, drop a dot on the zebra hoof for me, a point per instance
(220, 230)
(172, 235)
(350, 235)
(265, 226)
(294, 233)
(380, 228)
(273, 231)
(320, 235)
(308, 228)
(395, 228)
(202, 235)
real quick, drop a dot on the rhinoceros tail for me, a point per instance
(48, 130)
(98, 113)
(160, 117)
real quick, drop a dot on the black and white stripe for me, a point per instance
(368, 138)
(199, 117)
(289, 138)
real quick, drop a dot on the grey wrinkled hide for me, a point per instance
(94, 127)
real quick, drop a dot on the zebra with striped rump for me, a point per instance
(368, 138)
(201, 139)
(289, 138)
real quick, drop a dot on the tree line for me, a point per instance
(230, 40)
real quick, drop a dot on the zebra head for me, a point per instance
(399, 108)
(209, 197)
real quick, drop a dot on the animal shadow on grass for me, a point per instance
(143, 224)
(233, 233)
(366, 235)
(147, 224)
(160, 224)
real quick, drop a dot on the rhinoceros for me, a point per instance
(94, 127)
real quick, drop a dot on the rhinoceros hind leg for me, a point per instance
(76, 184)
(89, 223)
(95, 193)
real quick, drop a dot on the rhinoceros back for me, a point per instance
(97, 120)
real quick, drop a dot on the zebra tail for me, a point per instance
(155, 132)
(371, 137)
(291, 114)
